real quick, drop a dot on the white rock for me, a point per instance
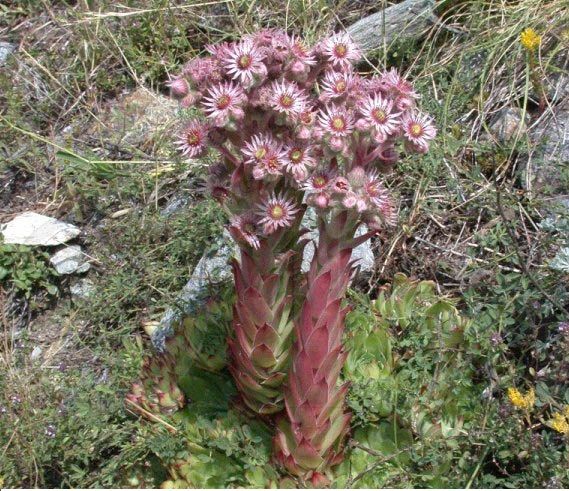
(5, 50)
(31, 228)
(82, 289)
(36, 353)
(70, 260)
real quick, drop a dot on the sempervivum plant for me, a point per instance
(296, 126)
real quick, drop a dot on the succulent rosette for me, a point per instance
(296, 126)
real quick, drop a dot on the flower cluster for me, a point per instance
(521, 401)
(294, 121)
(560, 421)
(530, 39)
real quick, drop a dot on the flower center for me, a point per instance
(340, 86)
(295, 155)
(341, 186)
(244, 61)
(338, 123)
(378, 115)
(286, 100)
(319, 181)
(416, 129)
(276, 212)
(223, 101)
(272, 163)
(248, 228)
(193, 138)
(340, 50)
(260, 153)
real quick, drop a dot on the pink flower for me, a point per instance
(220, 50)
(245, 227)
(300, 51)
(341, 50)
(301, 58)
(178, 87)
(223, 102)
(335, 121)
(287, 98)
(203, 72)
(319, 187)
(244, 62)
(418, 129)
(276, 212)
(335, 85)
(306, 120)
(271, 164)
(318, 182)
(297, 161)
(375, 191)
(193, 139)
(341, 185)
(259, 147)
(402, 90)
(377, 115)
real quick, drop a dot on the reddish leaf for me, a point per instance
(316, 345)
(306, 455)
(263, 356)
(255, 304)
(266, 335)
(317, 395)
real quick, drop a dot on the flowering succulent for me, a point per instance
(296, 126)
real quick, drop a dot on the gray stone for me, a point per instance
(70, 260)
(508, 123)
(82, 289)
(175, 204)
(31, 228)
(406, 20)
(5, 50)
(550, 153)
(213, 268)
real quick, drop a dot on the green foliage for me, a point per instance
(25, 270)
(146, 259)
(411, 375)
(69, 429)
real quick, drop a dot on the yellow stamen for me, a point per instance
(244, 61)
(416, 129)
(223, 102)
(338, 124)
(379, 115)
(340, 50)
(276, 212)
(286, 100)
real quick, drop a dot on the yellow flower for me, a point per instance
(522, 401)
(559, 423)
(530, 39)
